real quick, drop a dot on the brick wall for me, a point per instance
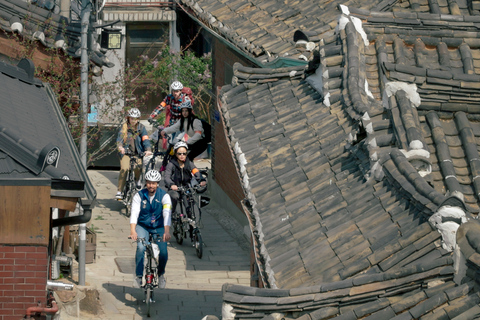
(223, 57)
(23, 277)
(224, 171)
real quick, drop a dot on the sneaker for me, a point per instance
(162, 281)
(119, 196)
(137, 282)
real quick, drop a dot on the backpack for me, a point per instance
(189, 93)
(207, 130)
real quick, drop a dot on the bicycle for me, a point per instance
(151, 164)
(165, 155)
(130, 188)
(186, 220)
(151, 265)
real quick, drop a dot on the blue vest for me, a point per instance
(149, 210)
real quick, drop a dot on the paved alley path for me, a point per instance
(193, 285)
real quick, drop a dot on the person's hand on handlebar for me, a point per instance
(203, 183)
(133, 235)
(122, 150)
(162, 133)
(166, 235)
(148, 153)
(174, 187)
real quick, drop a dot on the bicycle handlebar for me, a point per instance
(144, 241)
(184, 189)
(131, 154)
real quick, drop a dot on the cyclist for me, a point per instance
(134, 135)
(192, 128)
(151, 214)
(179, 172)
(172, 103)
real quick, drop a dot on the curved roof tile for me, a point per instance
(50, 29)
(342, 180)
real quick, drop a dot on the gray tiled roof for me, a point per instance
(48, 28)
(408, 293)
(265, 29)
(32, 123)
(344, 165)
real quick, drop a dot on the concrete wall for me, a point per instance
(106, 111)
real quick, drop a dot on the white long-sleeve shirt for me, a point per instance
(166, 207)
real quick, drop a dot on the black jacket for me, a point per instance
(174, 175)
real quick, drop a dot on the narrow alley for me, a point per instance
(194, 285)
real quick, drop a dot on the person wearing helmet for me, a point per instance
(172, 103)
(133, 135)
(192, 129)
(151, 214)
(179, 172)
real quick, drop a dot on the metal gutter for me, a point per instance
(87, 206)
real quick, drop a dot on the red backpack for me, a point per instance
(189, 93)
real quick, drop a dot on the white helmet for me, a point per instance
(134, 113)
(176, 85)
(153, 175)
(180, 144)
(186, 104)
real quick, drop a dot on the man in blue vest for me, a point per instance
(151, 214)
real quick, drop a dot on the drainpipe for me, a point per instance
(81, 254)
(87, 206)
(48, 310)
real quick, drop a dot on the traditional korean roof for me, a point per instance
(350, 165)
(35, 141)
(34, 21)
(264, 29)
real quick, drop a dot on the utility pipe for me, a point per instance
(86, 10)
(54, 285)
(48, 310)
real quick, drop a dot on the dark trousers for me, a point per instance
(197, 148)
(174, 195)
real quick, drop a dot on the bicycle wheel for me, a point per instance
(129, 197)
(198, 244)
(178, 230)
(148, 300)
(150, 164)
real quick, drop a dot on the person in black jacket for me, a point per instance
(179, 172)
